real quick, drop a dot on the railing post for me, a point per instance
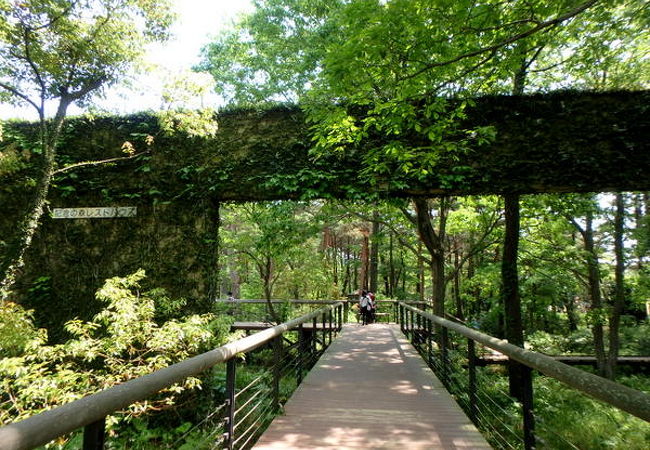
(471, 368)
(230, 402)
(339, 312)
(314, 337)
(407, 315)
(330, 315)
(527, 407)
(443, 356)
(346, 310)
(409, 324)
(401, 317)
(94, 435)
(325, 344)
(301, 354)
(277, 359)
(430, 343)
(420, 332)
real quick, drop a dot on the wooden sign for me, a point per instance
(94, 213)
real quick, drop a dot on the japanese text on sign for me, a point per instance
(94, 213)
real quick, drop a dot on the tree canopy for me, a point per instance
(62, 52)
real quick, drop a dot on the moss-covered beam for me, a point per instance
(564, 142)
(561, 142)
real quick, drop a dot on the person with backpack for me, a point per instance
(373, 307)
(365, 308)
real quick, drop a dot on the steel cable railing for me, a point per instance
(90, 412)
(477, 391)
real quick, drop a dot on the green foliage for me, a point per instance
(183, 106)
(60, 49)
(10, 161)
(558, 409)
(271, 236)
(17, 333)
(367, 69)
(122, 342)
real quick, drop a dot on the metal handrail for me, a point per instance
(44, 427)
(275, 302)
(627, 399)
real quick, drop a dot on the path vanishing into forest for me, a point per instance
(371, 389)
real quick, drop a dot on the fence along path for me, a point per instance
(371, 389)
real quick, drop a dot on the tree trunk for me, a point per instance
(433, 241)
(374, 253)
(266, 271)
(438, 288)
(457, 298)
(390, 288)
(593, 276)
(421, 276)
(570, 306)
(510, 288)
(26, 229)
(365, 259)
(619, 294)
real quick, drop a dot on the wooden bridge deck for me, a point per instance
(371, 390)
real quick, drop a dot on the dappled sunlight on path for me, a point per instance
(371, 389)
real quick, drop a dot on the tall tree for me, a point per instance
(54, 54)
(267, 234)
(619, 286)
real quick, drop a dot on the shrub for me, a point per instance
(122, 342)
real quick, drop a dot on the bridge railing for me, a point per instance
(315, 332)
(255, 309)
(443, 356)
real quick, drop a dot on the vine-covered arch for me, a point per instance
(561, 142)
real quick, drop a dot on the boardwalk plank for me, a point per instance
(371, 390)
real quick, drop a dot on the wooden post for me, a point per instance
(429, 343)
(330, 316)
(314, 335)
(302, 351)
(277, 359)
(527, 407)
(471, 368)
(94, 435)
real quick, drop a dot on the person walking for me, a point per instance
(365, 308)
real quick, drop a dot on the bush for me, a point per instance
(122, 342)
(17, 331)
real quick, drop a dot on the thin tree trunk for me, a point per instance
(266, 270)
(433, 241)
(593, 276)
(374, 253)
(421, 277)
(457, 297)
(510, 288)
(619, 295)
(390, 289)
(26, 230)
(365, 260)
(570, 306)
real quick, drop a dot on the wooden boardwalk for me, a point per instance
(371, 390)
